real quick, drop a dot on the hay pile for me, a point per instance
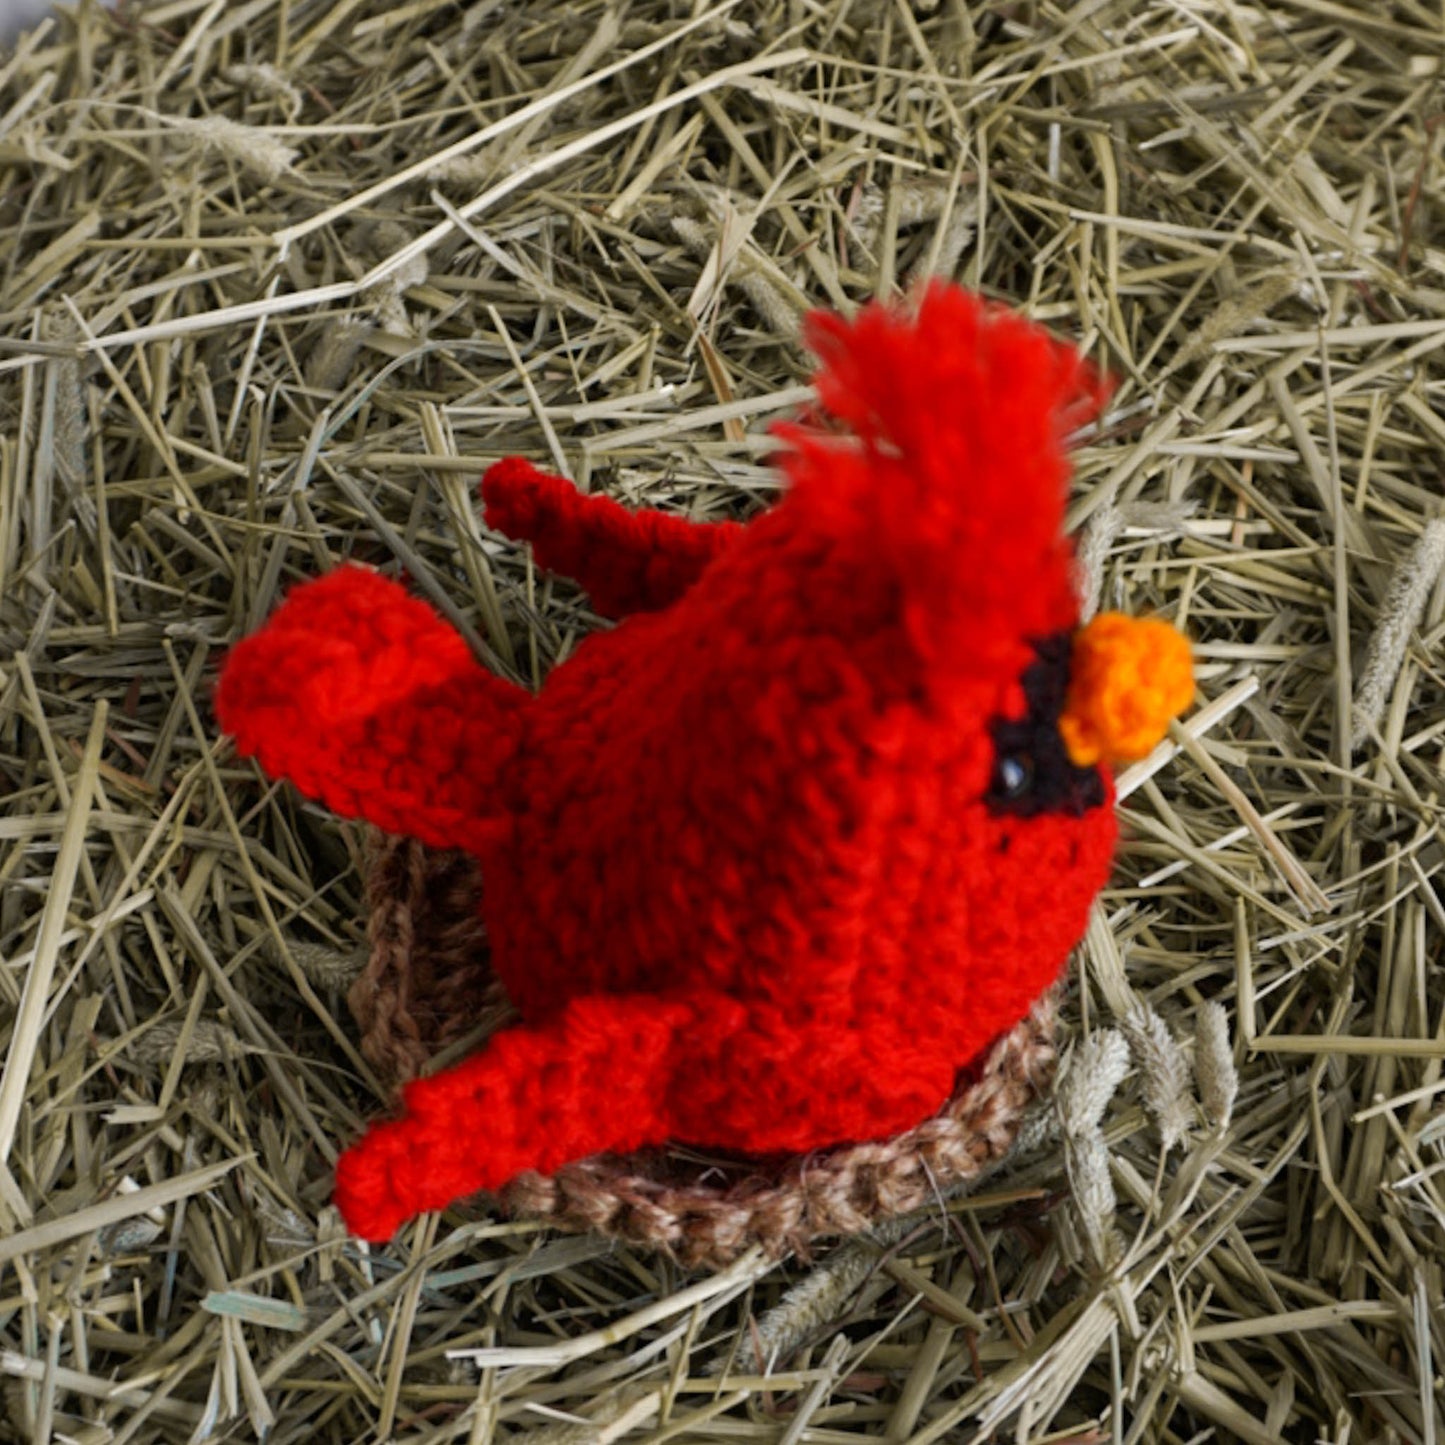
(281, 276)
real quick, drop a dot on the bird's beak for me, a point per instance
(1129, 677)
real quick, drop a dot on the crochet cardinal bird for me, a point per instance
(770, 862)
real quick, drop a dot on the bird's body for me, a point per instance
(753, 792)
(772, 860)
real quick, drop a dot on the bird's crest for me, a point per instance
(956, 474)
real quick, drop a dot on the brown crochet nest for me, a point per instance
(427, 983)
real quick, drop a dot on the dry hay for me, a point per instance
(280, 278)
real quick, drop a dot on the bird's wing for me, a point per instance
(627, 561)
(364, 698)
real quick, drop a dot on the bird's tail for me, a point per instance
(592, 1080)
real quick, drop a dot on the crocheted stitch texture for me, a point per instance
(756, 876)
(428, 980)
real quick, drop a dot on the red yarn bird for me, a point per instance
(772, 860)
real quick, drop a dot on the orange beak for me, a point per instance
(1129, 677)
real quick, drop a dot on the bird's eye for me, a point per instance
(1032, 772)
(1015, 775)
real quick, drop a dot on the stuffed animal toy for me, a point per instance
(769, 862)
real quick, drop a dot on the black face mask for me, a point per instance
(1032, 772)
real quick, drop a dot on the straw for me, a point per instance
(279, 278)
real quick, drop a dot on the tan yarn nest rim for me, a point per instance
(427, 982)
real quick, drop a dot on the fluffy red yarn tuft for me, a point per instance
(760, 873)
